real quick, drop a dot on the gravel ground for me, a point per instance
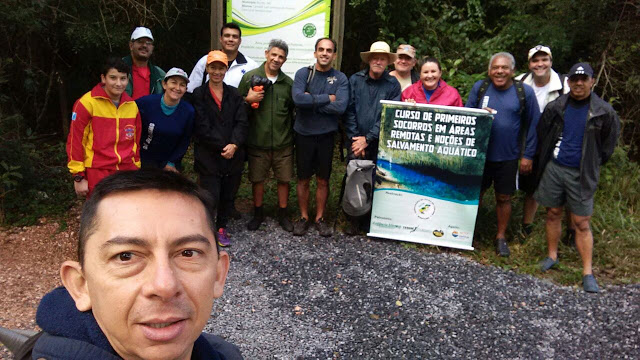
(353, 297)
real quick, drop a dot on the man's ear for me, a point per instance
(222, 268)
(73, 279)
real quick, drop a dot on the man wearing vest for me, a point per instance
(270, 140)
(548, 86)
(239, 64)
(513, 128)
(578, 133)
(144, 77)
(321, 95)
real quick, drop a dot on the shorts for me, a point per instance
(560, 186)
(261, 161)
(314, 155)
(502, 174)
(527, 183)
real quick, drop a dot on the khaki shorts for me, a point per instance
(261, 161)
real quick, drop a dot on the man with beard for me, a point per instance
(513, 128)
(144, 78)
(321, 95)
(578, 133)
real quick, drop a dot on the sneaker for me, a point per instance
(589, 284)
(284, 221)
(323, 228)
(223, 238)
(502, 248)
(569, 238)
(547, 263)
(301, 226)
(256, 221)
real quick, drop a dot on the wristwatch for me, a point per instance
(78, 177)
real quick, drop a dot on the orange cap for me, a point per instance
(219, 56)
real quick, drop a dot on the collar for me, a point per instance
(261, 72)
(98, 92)
(240, 59)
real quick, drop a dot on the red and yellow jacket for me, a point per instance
(102, 136)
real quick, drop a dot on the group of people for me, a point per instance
(550, 133)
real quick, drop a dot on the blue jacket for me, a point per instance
(315, 113)
(363, 112)
(73, 335)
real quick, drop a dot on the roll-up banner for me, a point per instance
(298, 23)
(429, 173)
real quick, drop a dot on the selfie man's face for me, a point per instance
(151, 272)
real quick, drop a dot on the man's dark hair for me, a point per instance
(231, 25)
(129, 181)
(114, 63)
(428, 59)
(335, 47)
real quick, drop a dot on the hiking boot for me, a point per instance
(223, 238)
(301, 226)
(589, 284)
(352, 227)
(256, 221)
(569, 238)
(284, 221)
(323, 228)
(502, 248)
(547, 263)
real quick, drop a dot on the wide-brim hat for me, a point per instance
(379, 47)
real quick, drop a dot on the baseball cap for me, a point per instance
(217, 55)
(141, 32)
(407, 49)
(537, 49)
(176, 72)
(581, 69)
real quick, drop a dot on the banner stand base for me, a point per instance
(428, 242)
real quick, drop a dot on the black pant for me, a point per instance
(223, 189)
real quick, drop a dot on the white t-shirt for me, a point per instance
(273, 79)
(541, 95)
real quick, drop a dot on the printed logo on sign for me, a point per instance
(438, 233)
(454, 233)
(424, 208)
(74, 115)
(129, 132)
(309, 30)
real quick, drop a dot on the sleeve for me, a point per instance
(609, 137)
(350, 124)
(201, 128)
(472, 100)
(136, 155)
(197, 74)
(243, 87)
(300, 98)
(339, 106)
(182, 146)
(542, 129)
(458, 98)
(241, 128)
(396, 91)
(80, 120)
(533, 115)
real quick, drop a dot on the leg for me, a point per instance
(258, 193)
(553, 228)
(322, 194)
(584, 241)
(529, 209)
(228, 188)
(212, 184)
(503, 212)
(283, 194)
(302, 190)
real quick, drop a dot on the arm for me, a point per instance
(350, 120)
(533, 114)
(338, 106)
(303, 99)
(241, 128)
(197, 74)
(472, 100)
(136, 155)
(394, 95)
(609, 137)
(80, 119)
(201, 127)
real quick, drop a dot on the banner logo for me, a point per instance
(424, 208)
(309, 30)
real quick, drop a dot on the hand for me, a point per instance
(526, 166)
(410, 101)
(358, 145)
(81, 187)
(229, 151)
(254, 96)
(171, 168)
(332, 98)
(492, 111)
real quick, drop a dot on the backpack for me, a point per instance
(524, 120)
(358, 192)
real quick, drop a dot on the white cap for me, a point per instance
(539, 48)
(176, 72)
(141, 32)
